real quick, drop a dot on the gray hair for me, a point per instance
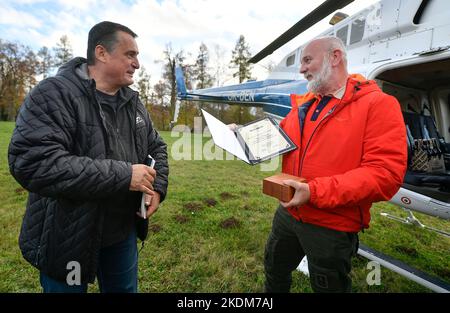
(334, 43)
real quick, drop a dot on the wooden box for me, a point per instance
(273, 186)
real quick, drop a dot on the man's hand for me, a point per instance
(142, 178)
(301, 195)
(154, 203)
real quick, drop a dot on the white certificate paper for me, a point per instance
(263, 139)
(254, 142)
(224, 137)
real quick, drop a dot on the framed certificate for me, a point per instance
(263, 139)
(254, 142)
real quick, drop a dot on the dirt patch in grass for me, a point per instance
(193, 206)
(19, 190)
(227, 196)
(407, 250)
(155, 228)
(181, 218)
(245, 193)
(211, 201)
(231, 222)
(247, 207)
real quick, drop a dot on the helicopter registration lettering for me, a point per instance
(244, 96)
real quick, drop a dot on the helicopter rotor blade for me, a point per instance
(309, 20)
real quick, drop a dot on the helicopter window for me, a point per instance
(342, 34)
(430, 10)
(290, 60)
(357, 31)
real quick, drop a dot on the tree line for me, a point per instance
(21, 68)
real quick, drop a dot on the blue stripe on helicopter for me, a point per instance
(247, 85)
(277, 104)
(277, 110)
(272, 95)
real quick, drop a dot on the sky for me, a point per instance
(185, 24)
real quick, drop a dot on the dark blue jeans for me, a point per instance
(117, 271)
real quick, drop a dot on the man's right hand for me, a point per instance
(142, 178)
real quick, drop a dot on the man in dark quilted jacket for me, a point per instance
(79, 148)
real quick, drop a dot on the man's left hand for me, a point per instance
(301, 195)
(154, 203)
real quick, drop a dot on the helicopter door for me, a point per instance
(423, 91)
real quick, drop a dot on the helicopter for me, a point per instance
(405, 47)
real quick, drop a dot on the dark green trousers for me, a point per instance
(329, 254)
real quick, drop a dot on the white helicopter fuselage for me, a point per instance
(382, 34)
(392, 35)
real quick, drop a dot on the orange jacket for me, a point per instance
(357, 155)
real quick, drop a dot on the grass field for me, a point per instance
(209, 234)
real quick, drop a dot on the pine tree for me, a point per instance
(201, 69)
(63, 51)
(46, 61)
(239, 59)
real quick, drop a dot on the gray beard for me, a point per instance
(319, 85)
(316, 87)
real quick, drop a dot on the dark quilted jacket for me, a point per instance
(58, 152)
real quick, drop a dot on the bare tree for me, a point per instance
(220, 70)
(171, 60)
(161, 114)
(144, 86)
(220, 67)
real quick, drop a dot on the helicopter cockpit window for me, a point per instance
(290, 60)
(342, 34)
(357, 31)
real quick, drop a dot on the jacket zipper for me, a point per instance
(38, 253)
(309, 140)
(102, 119)
(318, 125)
(96, 250)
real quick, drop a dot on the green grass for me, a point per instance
(209, 234)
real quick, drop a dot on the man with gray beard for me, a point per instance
(351, 151)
